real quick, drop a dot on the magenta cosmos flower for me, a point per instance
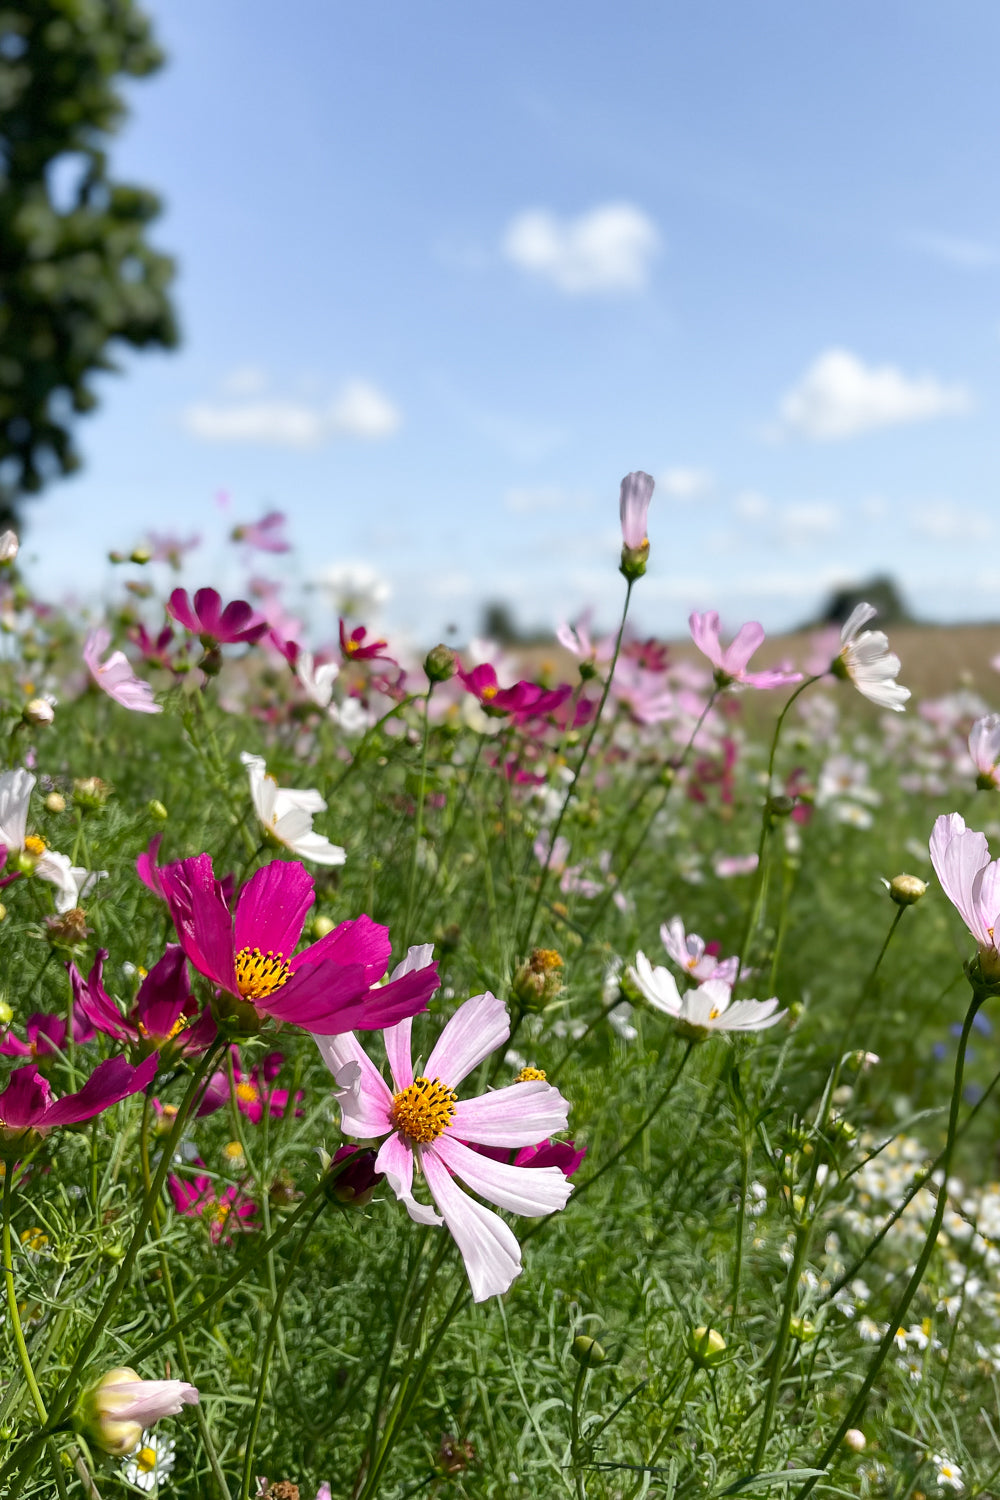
(223, 1212)
(525, 700)
(427, 1127)
(28, 1110)
(971, 881)
(730, 664)
(165, 1016)
(115, 676)
(46, 1036)
(215, 626)
(250, 953)
(267, 534)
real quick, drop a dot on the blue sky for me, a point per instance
(447, 272)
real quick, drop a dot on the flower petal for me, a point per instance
(531, 1191)
(477, 1028)
(395, 1159)
(272, 907)
(487, 1245)
(362, 1093)
(520, 1115)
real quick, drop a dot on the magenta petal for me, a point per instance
(272, 907)
(110, 1081)
(328, 1002)
(207, 611)
(148, 869)
(25, 1099)
(356, 941)
(165, 994)
(179, 607)
(92, 1000)
(200, 914)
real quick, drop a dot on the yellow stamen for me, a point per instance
(220, 1213)
(145, 1460)
(713, 1013)
(489, 692)
(259, 974)
(530, 1075)
(35, 845)
(248, 1092)
(424, 1110)
(34, 1239)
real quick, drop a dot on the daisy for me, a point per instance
(949, 1475)
(707, 1008)
(426, 1126)
(287, 815)
(866, 659)
(151, 1463)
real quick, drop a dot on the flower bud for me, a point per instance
(352, 1176)
(587, 1351)
(440, 663)
(855, 1439)
(156, 810)
(633, 563)
(140, 555)
(6, 1013)
(537, 982)
(322, 926)
(55, 802)
(211, 662)
(8, 547)
(906, 890)
(114, 1412)
(91, 792)
(706, 1347)
(802, 1329)
(38, 712)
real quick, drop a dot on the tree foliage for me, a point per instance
(78, 272)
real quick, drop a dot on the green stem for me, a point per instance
(574, 1429)
(15, 1316)
(802, 1237)
(418, 821)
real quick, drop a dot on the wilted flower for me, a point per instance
(865, 658)
(115, 676)
(287, 815)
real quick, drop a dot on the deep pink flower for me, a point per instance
(561, 1154)
(249, 954)
(215, 626)
(46, 1035)
(633, 507)
(730, 664)
(198, 1198)
(252, 1091)
(28, 1110)
(525, 700)
(357, 1180)
(155, 649)
(267, 534)
(115, 676)
(165, 1014)
(354, 647)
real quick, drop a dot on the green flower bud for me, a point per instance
(156, 810)
(440, 663)
(587, 1351)
(906, 890)
(706, 1347)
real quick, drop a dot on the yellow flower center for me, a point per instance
(350, 646)
(233, 1152)
(220, 1213)
(34, 1239)
(35, 845)
(489, 692)
(145, 1460)
(259, 974)
(424, 1110)
(546, 959)
(530, 1075)
(247, 1092)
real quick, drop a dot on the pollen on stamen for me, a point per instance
(531, 1075)
(424, 1110)
(260, 974)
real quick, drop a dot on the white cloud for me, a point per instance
(359, 410)
(608, 249)
(685, 484)
(968, 255)
(840, 396)
(947, 522)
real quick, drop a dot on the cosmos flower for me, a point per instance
(267, 534)
(633, 508)
(250, 954)
(971, 881)
(215, 626)
(115, 676)
(427, 1128)
(317, 678)
(984, 747)
(730, 664)
(121, 1405)
(287, 815)
(707, 1008)
(356, 647)
(71, 881)
(865, 658)
(225, 1213)
(46, 1035)
(165, 1015)
(28, 1111)
(525, 700)
(698, 959)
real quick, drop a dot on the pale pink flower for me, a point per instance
(984, 747)
(121, 1405)
(730, 664)
(578, 640)
(267, 534)
(866, 659)
(633, 507)
(115, 676)
(427, 1127)
(971, 881)
(689, 953)
(728, 865)
(706, 1008)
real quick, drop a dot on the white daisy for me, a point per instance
(151, 1463)
(949, 1475)
(288, 815)
(866, 659)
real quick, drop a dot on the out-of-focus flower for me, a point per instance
(225, 1213)
(165, 1016)
(730, 664)
(355, 589)
(865, 658)
(155, 649)
(38, 712)
(28, 1110)
(46, 1035)
(287, 815)
(152, 1463)
(71, 881)
(425, 1124)
(578, 641)
(164, 547)
(328, 987)
(213, 625)
(252, 1091)
(316, 678)
(267, 534)
(984, 747)
(116, 1410)
(525, 700)
(8, 547)
(971, 881)
(356, 646)
(948, 1475)
(728, 865)
(696, 957)
(707, 1008)
(115, 676)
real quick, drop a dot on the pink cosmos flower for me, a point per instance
(578, 640)
(155, 649)
(571, 879)
(426, 1126)
(633, 507)
(165, 1016)
(46, 1035)
(198, 1198)
(121, 1405)
(562, 1154)
(971, 881)
(165, 547)
(728, 865)
(356, 646)
(216, 626)
(984, 747)
(28, 1110)
(525, 700)
(730, 664)
(115, 676)
(249, 954)
(267, 534)
(252, 1091)
(698, 959)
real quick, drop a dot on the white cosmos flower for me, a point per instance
(866, 659)
(317, 680)
(288, 815)
(152, 1462)
(984, 747)
(72, 882)
(707, 1008)
(15, 794)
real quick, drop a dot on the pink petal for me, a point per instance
(531, 1191)
(364, 1097)
(476, 1029)
(356, 941)
(399, 1053)
(25, 1099)
(110, 1081)
(272, 907)
(146, 1401)
(520, 1115)
(742, 647)
(958, 854)
(705, 634)
(395, 1159)
(487, 1245)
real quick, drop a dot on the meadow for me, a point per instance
(461, 1077)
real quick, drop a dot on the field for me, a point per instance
(756, 1249)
